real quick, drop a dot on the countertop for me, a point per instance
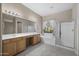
(9, 36)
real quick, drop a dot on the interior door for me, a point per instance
(67, 34)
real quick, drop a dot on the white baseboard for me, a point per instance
(71, 49)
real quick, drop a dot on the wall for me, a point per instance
(61, 16)
(0, 29)
(77, 29)
(24, 12)
(75, 17)
(74, 13)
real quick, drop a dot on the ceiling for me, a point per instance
(44, 9)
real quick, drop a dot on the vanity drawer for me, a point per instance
(20, 44)
(36, 39)
(6, 41)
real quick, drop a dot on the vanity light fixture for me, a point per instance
(12, 13)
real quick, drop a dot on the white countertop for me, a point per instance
(9, 36)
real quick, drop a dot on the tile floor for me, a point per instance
(42, 49)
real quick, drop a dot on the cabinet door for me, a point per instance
(21, 44)
(39, 39)
(36, 39)
(9, 47)
(27, 42)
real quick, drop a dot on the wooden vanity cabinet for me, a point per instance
(20, 44)
(14, 46)
(9, 47)
(36, 39)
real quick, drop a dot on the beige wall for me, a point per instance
(77, 21)
(0, 20)
(61, 16)
(24, 12)
(75, 16)
(0, 30)
(74, 12)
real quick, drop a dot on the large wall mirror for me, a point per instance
(31, 26)
(13, 25)
(28, 26)
(8, 24)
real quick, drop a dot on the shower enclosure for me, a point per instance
(50, 32)
(59, 35)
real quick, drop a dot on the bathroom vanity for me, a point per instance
(25, 36)
(16, 43)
